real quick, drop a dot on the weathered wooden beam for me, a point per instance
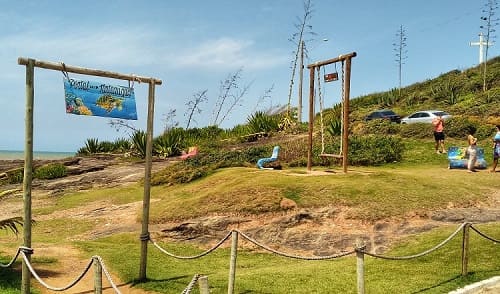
(60, 66)
(333, 60)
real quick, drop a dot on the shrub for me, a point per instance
(263, 122)
(50, 171)
(106, 146)
(375, 150)
(15, 176)
(205, 163)
(169, 144)
(92, 146)
(138, 139)
(417, 130)
(334, 128)
(458, 127)
(381, 127)
(122, 145)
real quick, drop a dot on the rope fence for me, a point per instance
(359, 250)
(24, 252)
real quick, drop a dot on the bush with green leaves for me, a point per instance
(50, 171)
(138, 139)
(92, 146)
(334, 128)
(15, 176)
(375, 150)
(205, 163)
(416, 130)
(381, 127)
(459, 127)
(263, 122)
(122, 145)
(106, 147)
(169, 143)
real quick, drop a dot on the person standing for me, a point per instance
(496, 148)
(438, 124)
(472, 150)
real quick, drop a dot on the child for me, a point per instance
(471, 150)
(496, 149)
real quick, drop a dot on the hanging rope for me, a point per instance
(320, 97)
(342, 110)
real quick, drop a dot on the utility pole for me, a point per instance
(488, 27)
(482, 43)
(399, 48)
(301, 77)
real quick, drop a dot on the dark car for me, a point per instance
(384, 114)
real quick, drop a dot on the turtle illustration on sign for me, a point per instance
(109, 102)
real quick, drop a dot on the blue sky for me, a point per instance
(194, 45)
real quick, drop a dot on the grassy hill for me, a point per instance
(459, 92)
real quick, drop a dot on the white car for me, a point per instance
(425, 116)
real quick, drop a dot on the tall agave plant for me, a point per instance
(263, 122)
(169, 144)
(122, 145)
(138, 139)
(334, 128)
(92, 146)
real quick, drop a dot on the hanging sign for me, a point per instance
(330, 77)
(98, 99)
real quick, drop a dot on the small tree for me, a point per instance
(230, 95)
(488, 28)
(303, 28)
(169, 120)
(119, 124)
(194, 106)
(264, 96)
(399, 48)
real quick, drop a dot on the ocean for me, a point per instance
(16, 154)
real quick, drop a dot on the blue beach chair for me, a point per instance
(261, 162)
(458, 157)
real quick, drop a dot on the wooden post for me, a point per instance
(28, 171)
(345, 118)
(360, 266)
(311, 118)
(232, 265)
(147, 183)
(97, 275)
(203, 285)
(465, 249)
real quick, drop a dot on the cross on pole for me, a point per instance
(481, 45)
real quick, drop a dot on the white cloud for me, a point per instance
(226, 53)
(103, 47)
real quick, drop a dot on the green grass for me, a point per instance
(371, 193)
(10, 280)
(119, 195)
(259, 272)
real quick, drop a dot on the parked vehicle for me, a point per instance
(425, 116)
(384, 114)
